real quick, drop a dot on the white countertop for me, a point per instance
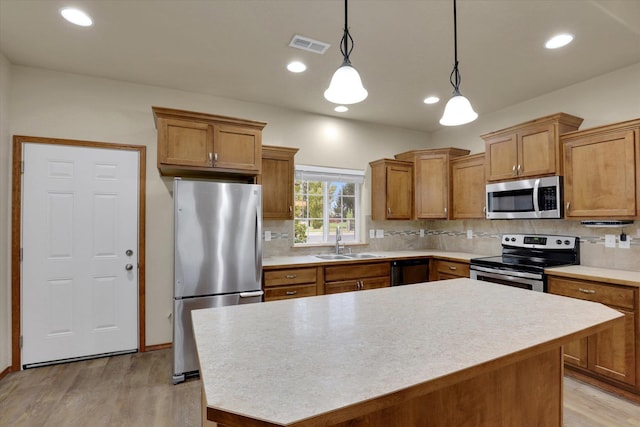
(293, 260)
(291, 360)
(621, 277)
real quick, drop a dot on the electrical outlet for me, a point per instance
(372, 234)
(609, 240)
(469, 234)
(267, 236)
(422, 232)
(625, 244)
(379, 234)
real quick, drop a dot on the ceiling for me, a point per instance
(403, 48)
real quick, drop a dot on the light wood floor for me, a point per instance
(136, 390)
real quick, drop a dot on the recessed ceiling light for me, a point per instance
(431, 100)
(341, 109)
(296, 67)
(76, 16)
(558, 41)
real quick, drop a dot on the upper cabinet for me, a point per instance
(602, 171)
(528, 149)
(391, 189)
(192, 143)
(277, 179)
(431, 180)
(468, 187)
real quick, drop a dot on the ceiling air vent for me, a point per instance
(311, 45)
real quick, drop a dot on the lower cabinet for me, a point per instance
(290, 283)
(610, 354)
(356, 277)
(440, 269)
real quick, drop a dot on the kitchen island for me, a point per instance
(455, 352)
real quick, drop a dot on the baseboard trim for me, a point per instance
(6, 372)
(157, 347)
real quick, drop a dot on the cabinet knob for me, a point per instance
(513, 169)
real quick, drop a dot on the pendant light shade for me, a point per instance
(458, 110)
(346, 85)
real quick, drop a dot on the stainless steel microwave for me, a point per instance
(525, 198)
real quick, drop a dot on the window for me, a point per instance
(325, 199)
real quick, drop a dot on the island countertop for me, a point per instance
(318, 360)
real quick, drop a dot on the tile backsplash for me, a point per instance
(485, 238)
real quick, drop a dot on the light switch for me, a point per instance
(372, 234)
(267, 236)
(609, 240)
(625, 244)
(379, 234)
(469, 234)
(422, 232)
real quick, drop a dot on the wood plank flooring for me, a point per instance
(136, 390)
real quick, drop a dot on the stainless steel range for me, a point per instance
(524, 258)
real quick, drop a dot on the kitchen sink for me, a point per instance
(332, 256)
(361, 256)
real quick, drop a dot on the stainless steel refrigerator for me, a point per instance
(217, 256)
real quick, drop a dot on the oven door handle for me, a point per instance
(535, 284)
(507, 273)
(536, 205)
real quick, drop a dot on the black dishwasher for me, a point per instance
(408, 271)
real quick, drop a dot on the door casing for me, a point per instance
(16, 238)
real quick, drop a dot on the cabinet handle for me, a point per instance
(513, 169)
(451, 267)
(215, 157)
(290, 209)
(445, 211)
(290, 276)
(291, 292)
(388, 211)
(210, 156)
(568, 204)
(518, 169)
(587, 291)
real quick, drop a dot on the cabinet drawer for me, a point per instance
(459, 269)
(287, 292)
(356, 272)
(618, 296)
(290, 276)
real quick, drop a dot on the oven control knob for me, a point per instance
(558, 242)
(513, 239)
(506, 239)
(566, 242)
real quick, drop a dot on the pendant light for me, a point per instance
(458, 110)
(346, 86)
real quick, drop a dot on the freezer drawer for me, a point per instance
(185, 358)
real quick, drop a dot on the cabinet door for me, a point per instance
(575, 353)
(375, 282)
(537, 151)
(237, 148)
(432, 187)
(184, 143)
(468, 188)
(612, 352)
(399, 192)
(277, 183)
(502, 157)
(342, 286)
(600, 175)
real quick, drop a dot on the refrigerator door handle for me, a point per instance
(251, 294)
(259, 242)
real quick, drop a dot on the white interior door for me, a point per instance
(79, 280)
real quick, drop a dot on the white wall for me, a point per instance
(53, 104)
(609, 98)
(5, 214)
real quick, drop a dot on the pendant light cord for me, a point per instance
(346, 38)
(454, 78)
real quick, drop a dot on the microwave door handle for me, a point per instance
(536, 205)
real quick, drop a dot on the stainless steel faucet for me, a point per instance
(339, 247)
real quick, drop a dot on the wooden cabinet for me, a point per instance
(356, 277)
(528, 149)
(289, 283)
(468, 187)
(602, 171)
(277, 178)
(192, 143)
(431, 197)
(611, 354)
(442, 269)
(391, 189)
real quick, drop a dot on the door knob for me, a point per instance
(128, 267)
(129, 252)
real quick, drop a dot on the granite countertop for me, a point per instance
(287, 361)
(621, 277)
(300, 260)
